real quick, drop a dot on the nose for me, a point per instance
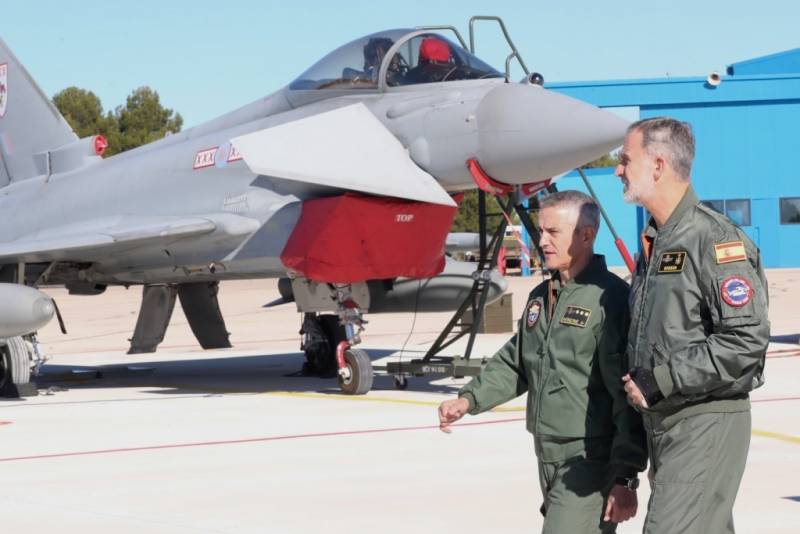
(527, 133)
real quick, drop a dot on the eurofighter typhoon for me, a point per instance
(343, 184)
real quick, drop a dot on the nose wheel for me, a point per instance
(355, 378)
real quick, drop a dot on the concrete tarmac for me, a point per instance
(187, 440)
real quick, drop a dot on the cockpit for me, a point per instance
(391, 59)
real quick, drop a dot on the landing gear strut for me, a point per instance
(328, 339)
(354, 366)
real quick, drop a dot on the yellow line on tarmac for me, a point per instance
(390, 400)
(371, 398)
(775, 435)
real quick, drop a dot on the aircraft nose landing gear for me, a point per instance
(355, 373)
(328, 339)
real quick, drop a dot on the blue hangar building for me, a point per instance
(746, 125)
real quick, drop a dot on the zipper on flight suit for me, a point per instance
(546, 344)
(640, 320)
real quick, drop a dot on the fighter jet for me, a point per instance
(343, 184)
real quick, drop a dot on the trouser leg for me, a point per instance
(698, 465)
(575, 494)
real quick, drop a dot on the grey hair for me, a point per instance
(670, 138)
(589, 211)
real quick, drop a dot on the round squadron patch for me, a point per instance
(534, 311)
(736, 291)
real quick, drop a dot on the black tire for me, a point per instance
(15, 366)
(322, 334)
(361, 374)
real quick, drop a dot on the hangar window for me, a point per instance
(790, 210)
(737, 210)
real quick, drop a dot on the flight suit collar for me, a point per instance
(688, 201)
(597, 265)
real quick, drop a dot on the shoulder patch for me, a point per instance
(672, 262)
(576, 316)
(534, 311)
(730, 252)
(736, 291)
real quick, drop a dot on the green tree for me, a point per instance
(83, 111)
(143, 119)
(606, 160)
(466, 219)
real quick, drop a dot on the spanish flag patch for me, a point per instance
(730, 252)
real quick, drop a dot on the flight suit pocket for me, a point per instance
(658, 355)
(555, 385)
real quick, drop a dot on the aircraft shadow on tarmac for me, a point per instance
(231, 374)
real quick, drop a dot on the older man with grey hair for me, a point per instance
(568, 355)
(698, 336)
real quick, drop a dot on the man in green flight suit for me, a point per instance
(569, 356)
(698, 337)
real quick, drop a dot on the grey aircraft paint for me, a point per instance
(188, 208)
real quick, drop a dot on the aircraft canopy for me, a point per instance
(422, 57)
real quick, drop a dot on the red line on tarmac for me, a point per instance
(250, 440)
(778, 399)
(783, 353)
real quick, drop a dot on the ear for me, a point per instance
(588, 234)
(660, 166)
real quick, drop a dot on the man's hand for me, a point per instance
(621, 505)
(635, 396)
(451, 411)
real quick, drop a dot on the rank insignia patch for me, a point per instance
(534, 311)
(576, 316)
(736, 291)
(672, 262)
(730, 252)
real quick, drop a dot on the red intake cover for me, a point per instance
(352, 238)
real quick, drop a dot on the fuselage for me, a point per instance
(518, 132)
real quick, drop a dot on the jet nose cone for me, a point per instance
(528, 134)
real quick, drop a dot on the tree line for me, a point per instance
(142, 119)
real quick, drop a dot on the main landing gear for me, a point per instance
(16, 355)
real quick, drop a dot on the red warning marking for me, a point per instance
(250, 440)
(5, 423)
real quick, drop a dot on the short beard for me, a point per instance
(639, 194)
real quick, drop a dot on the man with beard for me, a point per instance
(698, 336)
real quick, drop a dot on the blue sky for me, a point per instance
(208, 57)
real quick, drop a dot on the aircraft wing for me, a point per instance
(347, 148)
(94, 239)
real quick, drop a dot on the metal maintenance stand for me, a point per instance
(510, 200)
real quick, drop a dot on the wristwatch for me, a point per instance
(631, 483)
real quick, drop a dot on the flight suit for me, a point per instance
(699, 327)
(568, 355)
